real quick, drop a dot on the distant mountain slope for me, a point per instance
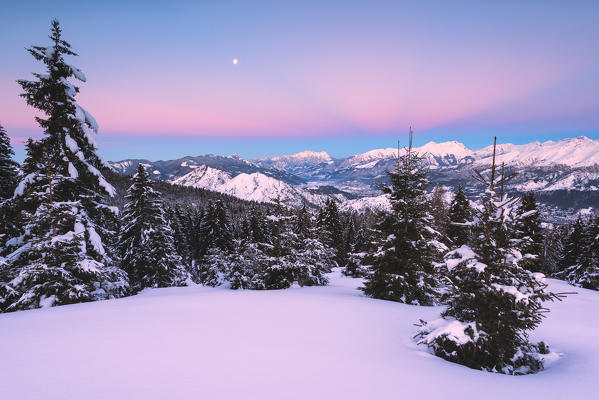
(252, 187)
(552, 168)
(172, 169)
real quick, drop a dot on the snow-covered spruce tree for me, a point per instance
(146, 246)
(313, 258)
(574, 243)
(402, 266)
(196, 243)
(553, 248)
(8, 182)
(255, 228)
(178, 221)
(585, 271)
(355, 242)
(493, 301)
(244, 267)
(62, 255)
(460, 218)
(216, 235)
(529, 232)
(280, 269)
(8, 167)
(331, 230)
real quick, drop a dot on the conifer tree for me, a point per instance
(529, 233)
(63, 253)
(402, 265)
(247, 263)
(215, 229)
(181, 233)
(313, 259)
(493, 301)
(216, 235)
(196, 241)
(280, 269)
(255, 228)
(146, 244)
(8, 181)
(245, 266)
(8, 167)
(584, 272)
(460, 217)
(553, 249)
(354, 241)
(573, 243)
(331, 231)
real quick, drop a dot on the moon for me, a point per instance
(235, 61)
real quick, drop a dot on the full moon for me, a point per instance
(235, 61)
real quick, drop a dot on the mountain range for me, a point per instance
(564, 173)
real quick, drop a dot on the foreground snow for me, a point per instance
(300, 343)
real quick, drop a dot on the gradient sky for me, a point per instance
(343, 77)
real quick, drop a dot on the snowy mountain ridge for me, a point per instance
(252, 187)
(308, 176)
(574, 152)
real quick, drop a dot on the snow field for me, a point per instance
(300, 343)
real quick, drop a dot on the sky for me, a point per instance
(337, 76)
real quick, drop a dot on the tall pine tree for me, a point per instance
(331, 231)
(63, 253)
(402, 266)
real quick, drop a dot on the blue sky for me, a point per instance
(343, 77)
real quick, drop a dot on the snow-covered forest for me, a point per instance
(276, 300)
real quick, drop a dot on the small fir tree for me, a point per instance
(493, 301)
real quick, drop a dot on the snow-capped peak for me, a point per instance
(204, 177)
(306, 156)
(574, 152)
(442, 149)
(376, 154)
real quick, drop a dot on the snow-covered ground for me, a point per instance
(301, 343)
